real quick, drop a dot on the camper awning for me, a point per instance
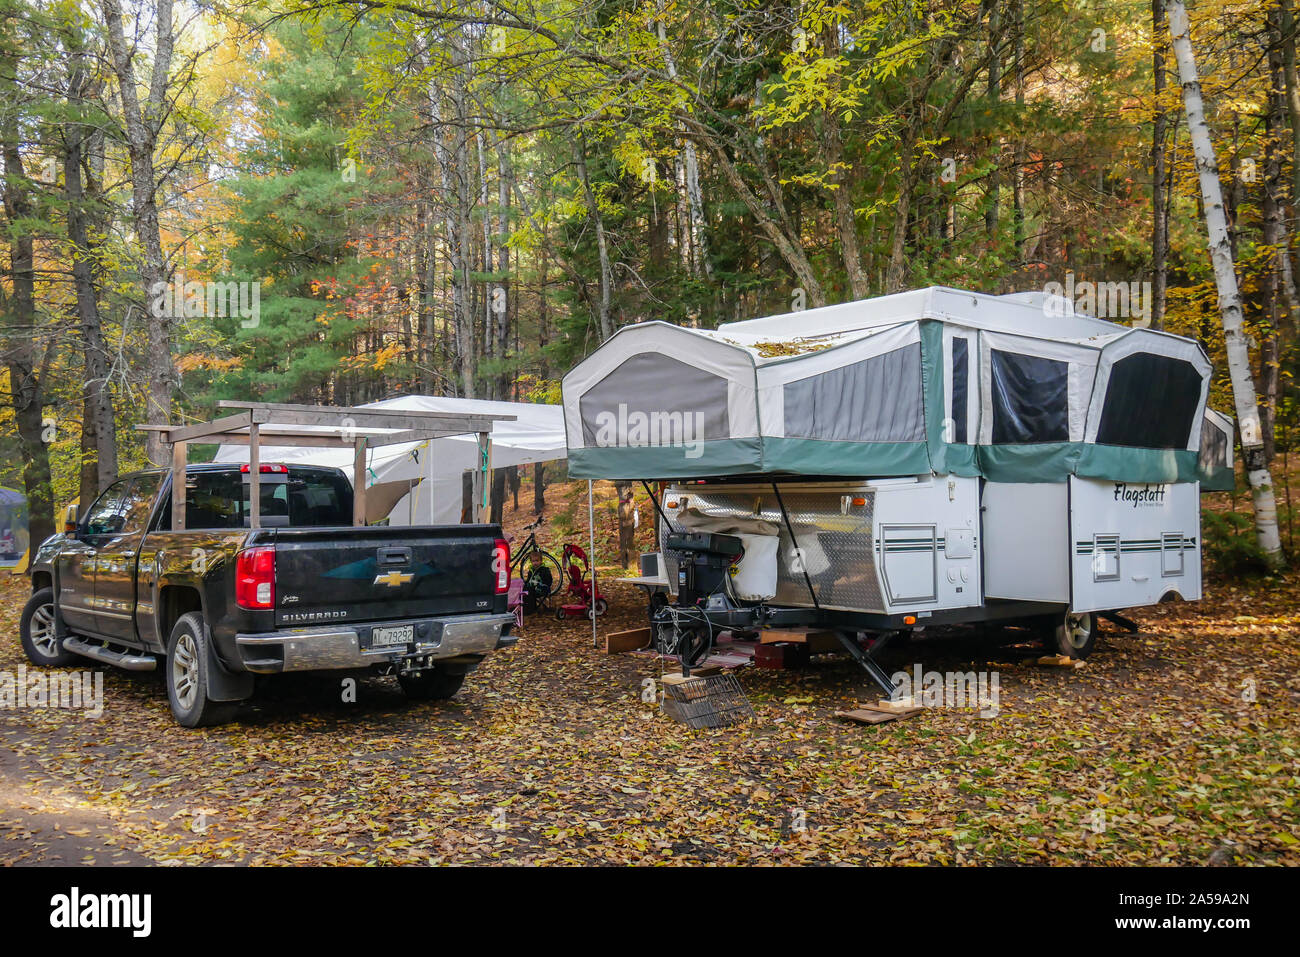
(1013, 388)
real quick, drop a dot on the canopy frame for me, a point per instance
(288, 424)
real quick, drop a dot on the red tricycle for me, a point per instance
(578, 593)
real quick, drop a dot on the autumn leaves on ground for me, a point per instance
(1176, 745)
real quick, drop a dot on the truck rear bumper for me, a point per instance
(333, 648)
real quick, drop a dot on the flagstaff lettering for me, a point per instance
(644, 429)
(76, 910)
(1149, 496)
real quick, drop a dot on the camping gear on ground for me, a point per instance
(706, 701)
(515, 601)
(582, 594)
(929, 457)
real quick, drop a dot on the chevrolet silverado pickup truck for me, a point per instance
(218, 603)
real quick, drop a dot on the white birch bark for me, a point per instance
(1225, 277)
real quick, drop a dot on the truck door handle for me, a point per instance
(395, 555)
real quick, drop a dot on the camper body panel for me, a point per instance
(1027, 541)
(1133, 544)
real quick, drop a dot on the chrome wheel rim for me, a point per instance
(1078, 629)
(42, 631)
(185, 671)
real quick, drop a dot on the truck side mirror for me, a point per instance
(70, 518)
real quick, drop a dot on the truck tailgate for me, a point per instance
(367, 574)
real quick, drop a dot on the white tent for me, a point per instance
(537, 435)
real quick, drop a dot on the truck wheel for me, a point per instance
(187, 675)
(1074, 636)
(433, 684)
(36, 629)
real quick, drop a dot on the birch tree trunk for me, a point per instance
(1159, 175)
(691, 167)
(143, 122)
(1225, 277)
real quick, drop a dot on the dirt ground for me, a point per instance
(1177, 745)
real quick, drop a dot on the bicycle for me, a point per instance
(539, 569)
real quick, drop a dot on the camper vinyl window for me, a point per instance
(1151, 402)
(959, 409)
(1215, 444)
(1030, 398)
(874, 400)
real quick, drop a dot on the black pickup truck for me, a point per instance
(219, 602)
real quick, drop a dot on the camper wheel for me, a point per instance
(1074, 635)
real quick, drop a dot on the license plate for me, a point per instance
(399, 635)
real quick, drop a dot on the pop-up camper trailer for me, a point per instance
(929, 457)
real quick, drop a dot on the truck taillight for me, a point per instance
(255, 577)
(501, 565)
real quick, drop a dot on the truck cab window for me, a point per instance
(108, 515)
(300, 499)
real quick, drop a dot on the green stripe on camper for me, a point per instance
(716, 457)
(1056, 461)
(1217, 480)
(1038, 462)
(1123, 464)
(822, 457)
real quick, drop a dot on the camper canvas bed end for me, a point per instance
(930, 457)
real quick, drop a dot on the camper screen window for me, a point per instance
(1030, 399)
(1151, 402)
(875, 400)
(958, 412)
(1214, 447)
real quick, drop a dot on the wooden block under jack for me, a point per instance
(697, 671)
(817, 641)
(895, 706)
(617, 642)
(1060, 661)
(872, 716)
(678, 678)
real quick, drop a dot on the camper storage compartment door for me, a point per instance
(1133, 543)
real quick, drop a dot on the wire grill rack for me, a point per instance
(711, 701)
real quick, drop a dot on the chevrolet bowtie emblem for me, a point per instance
(393, 579)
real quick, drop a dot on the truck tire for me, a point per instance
(187, 675)
(1074, 636)
(432, 684)
(36, 629)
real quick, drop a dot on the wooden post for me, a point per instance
(254, 477)
(480, 481)
(489, 483)
(178, 486)
(359, 482)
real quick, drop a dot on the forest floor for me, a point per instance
(1176, 745)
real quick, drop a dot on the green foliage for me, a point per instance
(1228, 542)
